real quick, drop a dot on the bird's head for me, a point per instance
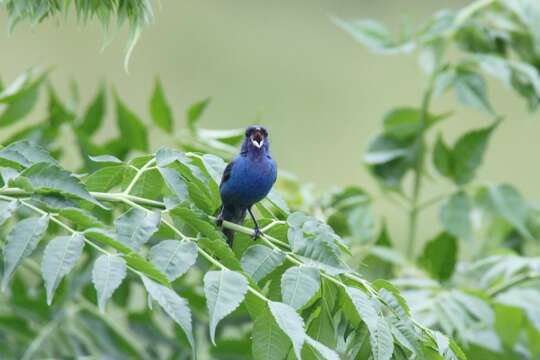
(256, 139)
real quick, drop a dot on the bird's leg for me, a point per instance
(219, 219)
(257, 230)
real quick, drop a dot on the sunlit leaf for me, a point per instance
(59, 257)
(224, 290)
(108, 273)
(21, 242)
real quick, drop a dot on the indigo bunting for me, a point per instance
(247, 180)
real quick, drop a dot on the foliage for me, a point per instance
(129, 228)
(146, 225)
(451, 285)
(137, 13)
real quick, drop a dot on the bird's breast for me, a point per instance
(250, 182)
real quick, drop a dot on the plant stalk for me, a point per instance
(418, 170)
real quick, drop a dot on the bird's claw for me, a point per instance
(219, 222)
(256, 233)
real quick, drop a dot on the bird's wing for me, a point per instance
(226, 173)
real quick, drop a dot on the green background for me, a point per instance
(321, 94)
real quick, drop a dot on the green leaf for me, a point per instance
(380, 337)
(508, 323)
(6, 210)
(468, 153)
(259, 261)
(105, 159)
(108, 273)
(194, 113)
(290, 323)
(196, 220)
(461, 162)
(325, 352)
(299, 284)
(80, 217)
(20, 101)
(160, 110)
(317, 250)
(131, 127)
(95, 113)
(382, 342)
(471, 90)
(389, 159)
(364, 307)
(405, 122)
(224, 291)
(23, 154)
(442, 158)
(269, 341)
(374, 36)
(59, 257)
(136, 226)
(175, 306)
(507, 201)
(107, 178)
(439, 256)
(21, 242)
(455, 216)
(173, 257)
(48, 178)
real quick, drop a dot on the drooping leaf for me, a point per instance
(6, 210)
(175, 306)
(259, 261)
(160, 110)
(471, 90)
(23, 154)
(439, 256)
(195, 111)
(461, 162)
(224, 290)
(94, 114)
(269, 341)
(20, 100)
(380, 336)
(49, 178)
(80, 217)
(468, 153)
(136, 226)
(290, 323)
(455, 216)
(131, 127)
(406, 122)
(108, 273)
(509, 203)
(21, 242)
(106, 178)
(59, 257)
(105, 159)
(173, 257)
(322, 350)
(299, 284)
(442, 158)
(374, 36)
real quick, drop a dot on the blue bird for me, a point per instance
(247, 180)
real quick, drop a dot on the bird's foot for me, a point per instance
(256, 233)
(219, 222)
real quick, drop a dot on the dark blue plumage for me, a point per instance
(247, 179)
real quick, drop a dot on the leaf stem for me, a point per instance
(419, 169)
(513, 282)
(138, 175)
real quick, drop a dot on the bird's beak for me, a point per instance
(257, 140)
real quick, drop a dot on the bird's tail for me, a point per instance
(233, 215)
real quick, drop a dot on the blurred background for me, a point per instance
(282, 64)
